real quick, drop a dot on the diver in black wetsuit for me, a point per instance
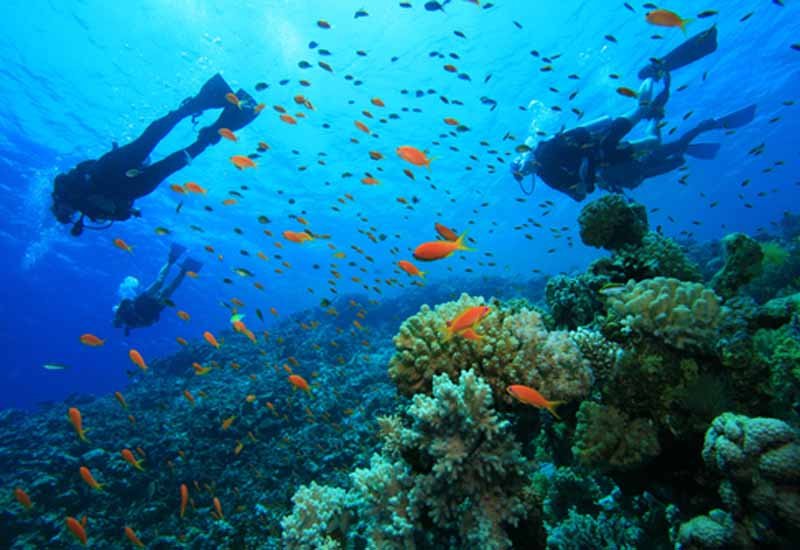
(105, 189)
(145, 309)
(576, 161)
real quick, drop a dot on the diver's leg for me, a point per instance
(173, 286)
(663, 165)
(155, 287)
(596, 125)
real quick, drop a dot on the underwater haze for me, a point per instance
(367, 404)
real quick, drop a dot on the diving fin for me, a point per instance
(705, 151)
(738, 119)
(698, 46)
(211, 96)
(232, 117)
(175, 251)
(190, 264)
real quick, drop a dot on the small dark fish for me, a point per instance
(746, 16)
(459, 34)
(405, 4)
(535, 53)
(362, 53)
(323, 51)
(360, 13)
(650, 6)
(326, 66)
(464, 76)
(178, 208)
(522, 148)
(261, 86)
(610, 38)
(574, 77)
(263, 219)
(433, 6)
(285, 81)
(322, 24)
(304, 64)
(681, 88)
(259, 314)
(572, 95)
(657, 37)
(169, 302)
(227, 281)
(516, 24)
(707, 13)
(796, 47)
(629, 7)
(312, 45)
(613, 76)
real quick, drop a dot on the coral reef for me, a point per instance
(572, 301)
(607, 439)
(317, 517)
(515, 348)
(743, 257)
(683, 315)
(611, 222)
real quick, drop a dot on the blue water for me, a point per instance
(75, 76)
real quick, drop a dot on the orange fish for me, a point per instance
(210, 339)
(242, 162)
(414, 156)
(77, 423)
(262, 146)
(450, 68)
(231, 97)
(361, 126)
(446, 233)
(369, 180)
(227, 134)
(468, 318)
(130, 459)
(131, 534)
(227, 422)
(258, 108)
(192, 187)
(288, 119)
(77, 529)
(626, 92)
(23, 498)
(530, 396)
(137, 359)
(189, 397)
(437, 250)
(182, 341)
(183, 315)
(178, 188)
(192, 274)
(666, 18)
(375, 155)
(121, 399)
(91, 340)
(451, 121)
(410, 268)
(377, 102)
(297, 236)
(409, 173)
(299, 382)
(89, 479)
(229, 202)
(184, 498)
(218, 508)
(301, 220)
(122, 245)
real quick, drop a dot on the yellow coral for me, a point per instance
(774, 253)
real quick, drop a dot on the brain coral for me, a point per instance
(611, 222)
(515, 348)
(682, 314)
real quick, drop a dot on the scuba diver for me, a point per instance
(575, 161)
(145, 309)
(104, 190)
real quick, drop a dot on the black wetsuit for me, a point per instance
(142, 311)
(559, 160)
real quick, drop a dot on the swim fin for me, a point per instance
(705, 151)
(698, 46)
(211, 96)
(190, 264)
(738, 119)
(232, 117)
(175, 252)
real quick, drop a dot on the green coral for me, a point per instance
(714, 531)
(606, 530)
(516, 348)
(681, 314)
(743, 262)
(317, 520)
(611, 222)
(607, 439)
(572, 301)
(774, 253)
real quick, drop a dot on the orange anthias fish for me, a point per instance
(530, 396)
(91, 340)
(77, 530)
(122, 245)
(377, 102)
(242, 162)
(192, 187)
(445, 232)
(131, 534)
(451, 121)
(361, 126)
(666, 18)
(218, 508)
(184, 498)
(227, 134)
(89, 479)
(210, 339)
(437, 250)
(77, 423)
(178, 188)
(299, 382)
(468, 318)
(189, 397)
(121, 399)
(227, 422)
(183, 315)
(627, 92)
(414, 156)
(297, 236)
(137, 359)
(23, 498)
(288, 119)
(470, 334)
(130, 459)
(231, 97)
(411, 269)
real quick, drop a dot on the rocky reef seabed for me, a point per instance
(676, 368)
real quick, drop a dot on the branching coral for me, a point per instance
(608, 439)
(681, 314)
(515, 348)
(317, 519)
